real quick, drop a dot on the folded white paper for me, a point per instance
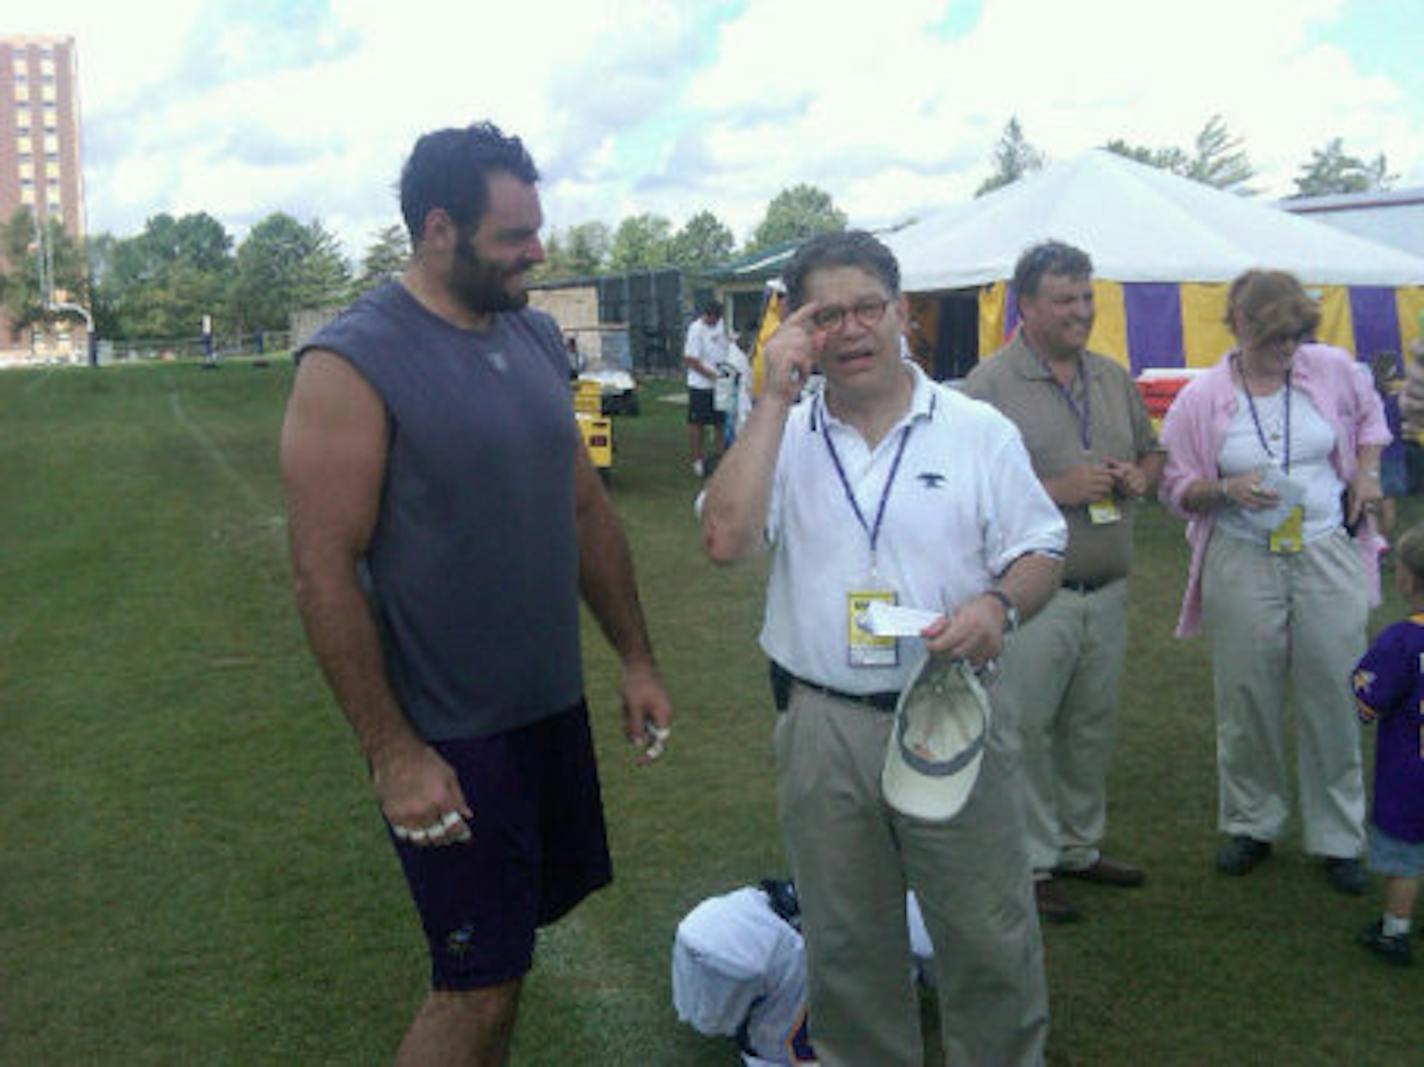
(893, 620)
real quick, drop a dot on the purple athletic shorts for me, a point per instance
(538, 848)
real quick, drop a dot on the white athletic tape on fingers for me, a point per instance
(452, 818)
(402, 834)
(660, 735)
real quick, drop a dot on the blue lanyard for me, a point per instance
(1256, 418)
(1085, 416)
(873, 532)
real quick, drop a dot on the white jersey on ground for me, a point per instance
(739, 970)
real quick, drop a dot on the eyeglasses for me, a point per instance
(867, 312)
(1293, 340)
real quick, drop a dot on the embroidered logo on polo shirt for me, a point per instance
(931, 479)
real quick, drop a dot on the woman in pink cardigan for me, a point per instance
(1273, 455)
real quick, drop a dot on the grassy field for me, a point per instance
(193, 871)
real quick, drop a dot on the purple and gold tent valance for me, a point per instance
(1160, 324)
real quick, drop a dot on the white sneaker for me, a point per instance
(697, 467)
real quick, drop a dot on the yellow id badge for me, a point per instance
(1101, 512)
(863, 648)
(1287, 536)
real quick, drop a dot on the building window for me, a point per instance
(21, 78)
(48, 79)
(27, 196)
(25, 157)
(26, 183)
(51, 157)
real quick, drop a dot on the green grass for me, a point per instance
(193, 871)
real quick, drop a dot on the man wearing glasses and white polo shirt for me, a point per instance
(888, 487)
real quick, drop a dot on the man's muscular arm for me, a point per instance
(610, 589)
(334, 442)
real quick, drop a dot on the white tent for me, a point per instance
(1139, 224)
(1147, 227)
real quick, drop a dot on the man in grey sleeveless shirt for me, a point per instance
(444, 519)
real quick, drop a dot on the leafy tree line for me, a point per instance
(648, 240)
(1215, 158)
(160, 282)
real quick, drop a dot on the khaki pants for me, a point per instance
(1059, 688)
(1274, 621)
(852, 857)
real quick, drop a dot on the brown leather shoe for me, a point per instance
(1053, 906)
(1107, 872)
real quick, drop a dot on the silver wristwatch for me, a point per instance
(1011, 612)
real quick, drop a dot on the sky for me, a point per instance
(244, 107)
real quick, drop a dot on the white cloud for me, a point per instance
(242, 107)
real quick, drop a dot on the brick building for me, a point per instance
(40, 161)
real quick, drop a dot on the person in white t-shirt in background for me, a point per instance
(705, 349)
(732, 395)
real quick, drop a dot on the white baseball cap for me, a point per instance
(937, 742)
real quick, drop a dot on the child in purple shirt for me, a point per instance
(1389, 689)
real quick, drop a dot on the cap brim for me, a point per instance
(937, 741)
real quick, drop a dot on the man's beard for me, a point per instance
(479, 285)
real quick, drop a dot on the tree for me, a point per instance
(1013, 158)
(162, 281)
(703, 240)
(1217, 159)
(284, 266)
(1330, 170)
(641, 241)
(796, 213)
(1220, 160)
(27, 265)
(588, 247)
(386, 256)
(578, 252)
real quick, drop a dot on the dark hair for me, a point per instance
(1048, 257)
(1384, 365)
(850, 248)
(1272, 303)
(449, 169)
(1409, 550)
(712, 307)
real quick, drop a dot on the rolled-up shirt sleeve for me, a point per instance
(1020, 518)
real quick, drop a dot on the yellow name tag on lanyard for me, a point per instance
(1287, 537)
(1101, 512)
(863, 648)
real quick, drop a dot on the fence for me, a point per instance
(256, 343)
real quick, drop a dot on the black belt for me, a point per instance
(781, 680)
(1088, 587)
